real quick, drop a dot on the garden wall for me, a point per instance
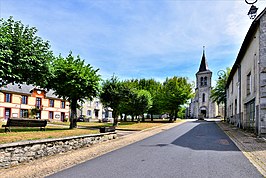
(18, 152)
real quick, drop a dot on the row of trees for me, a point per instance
(26, 58)
(136, 97)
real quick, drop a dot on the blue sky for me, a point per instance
(139, 38)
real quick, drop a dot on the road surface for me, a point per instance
(193, 149)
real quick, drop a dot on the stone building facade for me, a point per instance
(201, 105)
(246, 85)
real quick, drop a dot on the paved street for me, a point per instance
(193, 149)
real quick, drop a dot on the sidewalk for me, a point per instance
(252, 147)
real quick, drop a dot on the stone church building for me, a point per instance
(201, 105)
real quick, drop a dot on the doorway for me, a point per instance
(7, 113)
(62, 116)
(203, 112)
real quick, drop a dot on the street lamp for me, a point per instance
(221, 74)
(253, 9)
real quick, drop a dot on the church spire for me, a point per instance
(203, 63)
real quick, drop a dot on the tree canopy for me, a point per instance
(74, 81)
(24, 56)
(218, 93)
(112, 95)
(176, 92)
(135, 97)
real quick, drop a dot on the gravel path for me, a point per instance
(49, 165)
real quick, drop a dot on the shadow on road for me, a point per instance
(206, 135)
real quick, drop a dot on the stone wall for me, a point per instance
(262, 56)
(15, 153)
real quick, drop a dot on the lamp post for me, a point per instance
(253, 9)
(221, 74)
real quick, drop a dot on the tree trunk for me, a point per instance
(73, 116)
(137, 117)
(171, 117)
(151, 117)
(175, 115)
(143, 119)
(125, 119)
(115, 119)
(132, 118)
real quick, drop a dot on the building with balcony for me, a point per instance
(28, 101)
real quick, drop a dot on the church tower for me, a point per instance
(203, 105)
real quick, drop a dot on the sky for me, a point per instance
(140, 38)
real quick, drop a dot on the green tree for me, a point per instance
(150, 85)
(74, 81)
(176, 92)
(182, 112)
(218, 93)
(142, 103)
(112, 95)
(24, 57)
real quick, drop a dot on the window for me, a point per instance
(89, 113)
(203, 97)
(24, 113)
(38, 102)
(63, 105)
(24, 99)
(8, 97)
(51, 115)
(51, 103)
(235, 106)
(205, 81)
(250, 115)
(201, 81)
(232, 89)
(97, 103)
(230, 110)
(249, 83)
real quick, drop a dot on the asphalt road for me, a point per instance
(193, 149)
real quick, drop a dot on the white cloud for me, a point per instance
(139, 38)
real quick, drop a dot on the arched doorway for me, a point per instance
(203, 111)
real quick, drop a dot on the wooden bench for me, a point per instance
(107, 129)
(24, 122)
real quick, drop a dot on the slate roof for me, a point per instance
(26, 89)
(203, 64)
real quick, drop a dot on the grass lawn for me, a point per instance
(86, 124)
(137, 126)
(31, 133)
(56, 131)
